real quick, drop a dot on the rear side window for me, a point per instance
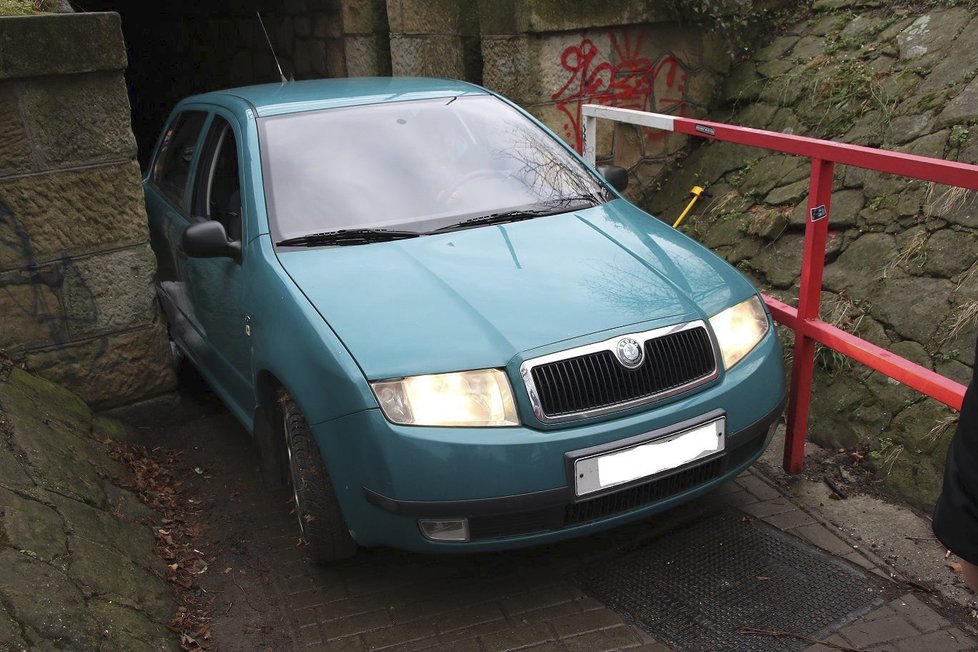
(172, 167)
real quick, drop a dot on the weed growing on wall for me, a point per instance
(18, 7)
(737, 20)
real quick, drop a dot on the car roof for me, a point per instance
(295, 96)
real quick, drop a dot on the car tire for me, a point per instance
(320, 519)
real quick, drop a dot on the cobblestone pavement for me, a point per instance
(398, 601)
(525, 600)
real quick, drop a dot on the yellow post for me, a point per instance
(695, 192)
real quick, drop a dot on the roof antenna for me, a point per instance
(277, 64)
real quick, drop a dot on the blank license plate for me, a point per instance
(599, 472)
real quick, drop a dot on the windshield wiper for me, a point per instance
(497, 218)
(346, 237)
(553, 207)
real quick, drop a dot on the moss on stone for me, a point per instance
(17, 7)
(31, 526)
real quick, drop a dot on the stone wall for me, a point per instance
(435, 39)
(902, 270)
(79, 571)
(76, 271)
(366, 40)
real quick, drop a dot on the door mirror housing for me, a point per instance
(210, 240)
(616, 176)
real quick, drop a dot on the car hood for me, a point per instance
(477, 297)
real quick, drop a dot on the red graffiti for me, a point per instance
(634, 82)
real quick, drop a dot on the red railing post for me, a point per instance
(809, 298)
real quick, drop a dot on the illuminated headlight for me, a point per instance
(739, 329)
(466, 398)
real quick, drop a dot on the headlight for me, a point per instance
(739, 329)
(466, 398)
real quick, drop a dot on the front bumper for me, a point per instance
(512, 484)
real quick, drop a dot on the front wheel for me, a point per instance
(320, 519)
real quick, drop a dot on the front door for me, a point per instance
(215, 286)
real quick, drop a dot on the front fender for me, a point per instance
(292, 342)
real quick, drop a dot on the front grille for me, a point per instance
(597, 380)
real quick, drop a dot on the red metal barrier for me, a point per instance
(808, 328)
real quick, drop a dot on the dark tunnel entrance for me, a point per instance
(182, 47)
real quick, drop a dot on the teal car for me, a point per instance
(444, 330)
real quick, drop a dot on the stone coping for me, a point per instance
(71, 43)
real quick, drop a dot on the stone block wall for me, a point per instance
(366, 45)
(437, 38)
(553, 57)
(77, 303)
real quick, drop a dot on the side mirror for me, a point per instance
(616, 176)
(210, 240)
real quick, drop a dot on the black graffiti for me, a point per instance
(60, 298)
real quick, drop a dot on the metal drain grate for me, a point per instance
(695, 588)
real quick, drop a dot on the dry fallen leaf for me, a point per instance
(954, 566)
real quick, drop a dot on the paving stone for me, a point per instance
(519, 637)
(383, 638)
(304, 599)
(769, 507)
(468, 645)
(918, 614)
(308, 635)
(356, 624)
(758, 487)
(587, 604)
(306, 617)
(789, 520)
(940, 641)
(546, 614)
(581, 623)
(859, 560)
(468, 616)
(883, 630)
(823, 538)
(532, 600)
(615, 638)
(550, 646)
(739, 498)
(474, 631)
(343, 645)
(357, 605)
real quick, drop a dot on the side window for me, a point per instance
(172, 167)
(217, 189)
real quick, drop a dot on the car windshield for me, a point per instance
(416, 166)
